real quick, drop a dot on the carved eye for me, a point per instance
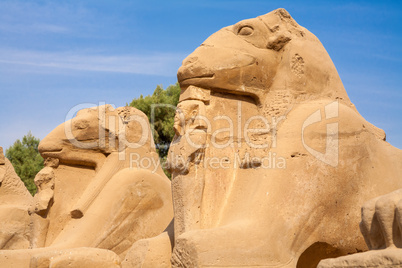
(81, 124)
(245, 30)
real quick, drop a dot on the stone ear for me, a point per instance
(278, 40)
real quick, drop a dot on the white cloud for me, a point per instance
(163, 64)
(29, 17)
(31, 31)
(33, 28)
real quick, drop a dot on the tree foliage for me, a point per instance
(25, 158)
(160, 109)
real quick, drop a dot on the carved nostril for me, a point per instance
(189, 60)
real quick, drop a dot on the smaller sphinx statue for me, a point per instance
(101, 189)
(14, 203)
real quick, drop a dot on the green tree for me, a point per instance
(25, 158)
(160, 109)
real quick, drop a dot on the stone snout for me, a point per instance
(211, 64)
(226, 62)
(57, 145)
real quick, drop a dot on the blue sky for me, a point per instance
(55, 55)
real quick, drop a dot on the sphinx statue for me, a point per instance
(15, 201)
(95, 197)
(271, 161)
